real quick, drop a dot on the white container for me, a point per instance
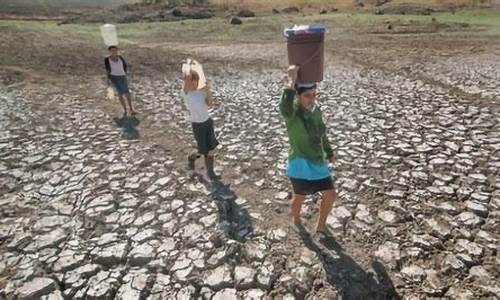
(193, 65)
(109, 35)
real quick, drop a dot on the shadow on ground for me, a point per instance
(234, 219)
(347, 276)
(129, 126)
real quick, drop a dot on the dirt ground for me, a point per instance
(397, 92)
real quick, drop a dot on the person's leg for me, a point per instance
(129, 100)
(192, 157)
(122, 102)
(211, 143)
(328, 197)
(209, 164)
(296, 206)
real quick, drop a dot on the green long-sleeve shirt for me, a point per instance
(306, 130)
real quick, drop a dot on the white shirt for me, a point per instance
(117, 67)
(197, 106)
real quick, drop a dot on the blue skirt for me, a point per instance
(120, 83)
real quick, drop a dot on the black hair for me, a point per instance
(112, 47)
(303, 89)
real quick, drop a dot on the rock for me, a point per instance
(388, 216)
(342, 214)
(236, 21)
(68, 260)
(451, 262)
(275, 11)
(413, 274)
(434, 282)
(469, 219)
(459, 294)
(244, 277)
(186, 293)
(246, 13)
(19, 242)
(141, 255)
(51, 239)
(278, 234)
(225, 294)
(56, 295)
(477, 208)
(439, 228)
(282, 195)
(102, 286)
(135, 286)
(219, 278)
(389, 254)
(426, 241)
(380, 2)
(291, 9)
(323, 12)
(36, 288)
(449, 208)
(480, 274)
(471, 248)
(255, 294)
(112, 254)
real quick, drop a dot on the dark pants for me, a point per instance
(309, 187)
(204, 135)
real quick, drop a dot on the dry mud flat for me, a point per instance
(93, 210)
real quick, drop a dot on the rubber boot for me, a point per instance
(192, 157)
(209, 164)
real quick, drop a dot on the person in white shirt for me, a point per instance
(198, 101)
(116, 69)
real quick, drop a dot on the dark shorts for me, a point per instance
(309, 187)
(120, 84)
(205, 136)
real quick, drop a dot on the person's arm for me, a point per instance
(184, 82)
(107, 66)
(124, 65)
(286, 103)
(327, 147)
(209, 100)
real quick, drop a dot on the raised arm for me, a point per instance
(185, 78)
(209, 100)
(286, 102)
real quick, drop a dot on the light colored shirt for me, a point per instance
(196, 104)
(117, 67)
(301, 168)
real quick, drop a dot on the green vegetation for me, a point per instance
(252, 30)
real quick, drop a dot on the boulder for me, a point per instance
(246, 13)
(236, 21)
(291, 9)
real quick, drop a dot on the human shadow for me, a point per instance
(233, 218)
(129, 126)
(347, 276)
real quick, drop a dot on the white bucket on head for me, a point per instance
(109, 35)
(193, 65)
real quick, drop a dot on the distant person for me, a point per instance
(309, 151)
(198, 101)
(116, 69)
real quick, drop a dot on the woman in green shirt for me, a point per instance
(310, 150)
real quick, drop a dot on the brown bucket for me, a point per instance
(307, 52)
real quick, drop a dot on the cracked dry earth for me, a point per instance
(91, 210)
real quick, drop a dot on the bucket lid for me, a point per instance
(304, 29)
